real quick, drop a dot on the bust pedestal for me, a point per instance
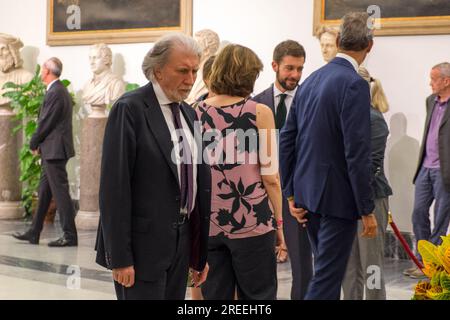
(10, 186)
(93, 129)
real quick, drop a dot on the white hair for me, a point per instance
(54, 65)
(444, 69)
(158, 56)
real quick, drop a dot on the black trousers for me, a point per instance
(300, 254)
(247, 264)
(54, 184)
(172, 284)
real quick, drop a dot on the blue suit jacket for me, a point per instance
(266, 97)
(325, 157)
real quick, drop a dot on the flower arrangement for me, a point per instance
(437, 268)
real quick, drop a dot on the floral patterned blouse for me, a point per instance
(240, 206)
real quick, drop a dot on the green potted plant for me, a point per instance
(26, 100)
(437, 268)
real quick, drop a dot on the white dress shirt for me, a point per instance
(288, 101)
(164, 102)
(349, 59)
(50, 84)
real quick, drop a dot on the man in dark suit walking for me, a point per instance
(154, 189)
(432, 178)
(288, 61)
(325, 157)
(53, 140)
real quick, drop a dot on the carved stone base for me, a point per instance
(10, 210)
(87, 220)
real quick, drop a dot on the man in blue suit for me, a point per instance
(325, 157)
(288, 61)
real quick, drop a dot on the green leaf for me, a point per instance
(445, 281)
(428, 252)
(435, 280)
(11, 85)
(26, 100)
(30, 128)
(131, 87)
(442, 296)
(65, 82)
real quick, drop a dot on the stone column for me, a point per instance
(10, 186)
(92, 131)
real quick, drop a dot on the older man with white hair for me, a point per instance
(53, 140)
(154, 194)
(432, 178)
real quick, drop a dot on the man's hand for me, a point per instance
(298, 213)
(370, 226)
(199, 277)
(124, 276)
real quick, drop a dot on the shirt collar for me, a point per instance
(51, 83)
(277, 92)
(160, 95)
(349, 59)
(439, 102)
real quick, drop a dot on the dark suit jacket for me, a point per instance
(266, 97)
(325, 143)
(53, 135)
(140, 194)
(379, 133)
(444, 142)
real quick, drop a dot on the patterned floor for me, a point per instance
(39, 272)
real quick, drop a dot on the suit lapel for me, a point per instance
(446, 115)
(158, 126)
(271, 99)
(430, 109)
(187, 117)
(54, 85)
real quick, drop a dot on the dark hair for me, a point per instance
(288, 48)
(354, 34)
(234, 71)
(207, 67)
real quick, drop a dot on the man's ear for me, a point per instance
(157, 73)
(370, 46)
(338, 39)
(275, 66)
(447, 81)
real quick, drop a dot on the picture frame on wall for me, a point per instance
(83, 22)
(393, 17)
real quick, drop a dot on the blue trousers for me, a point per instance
(299, 250)
(429, 188)
(331, 241)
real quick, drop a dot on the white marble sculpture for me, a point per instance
(327, 37)
(11, 64)
(104, 87)
(209, 41)
(10, 71)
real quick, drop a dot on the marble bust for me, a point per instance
(11, 64)
(327, 37)
(209, 42)
(104, 87)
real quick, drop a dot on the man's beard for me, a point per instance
(284, 84)
(178, 96)
(7, 63)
